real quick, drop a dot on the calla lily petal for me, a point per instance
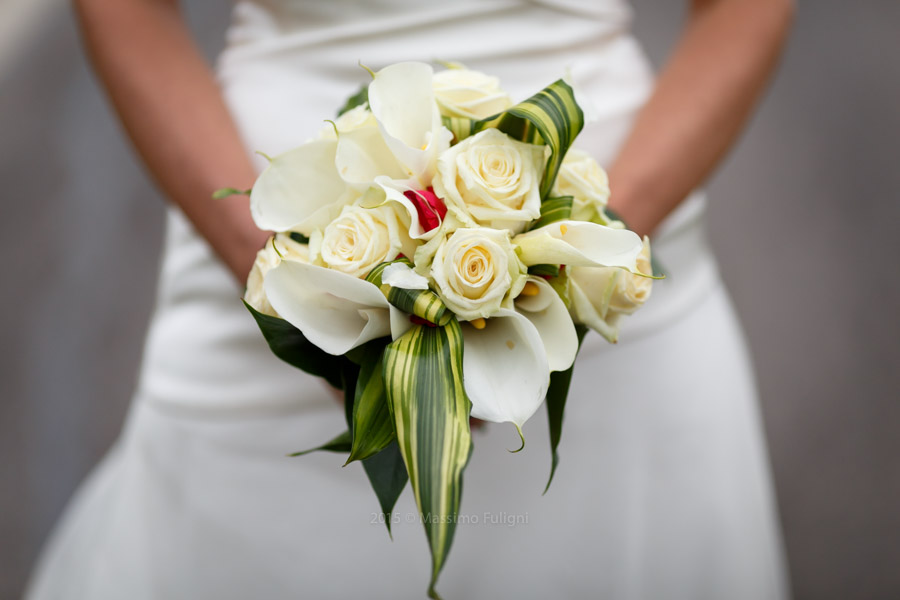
(606, 324)
(402, 99)
(335, 311)
(394, 192)
(549, 315)
(400, 275)
(505, 368)
(299, 190)
(579, 243)
(362, 155)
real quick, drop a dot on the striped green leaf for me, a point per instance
(552, 117)
(422, 303)
(372, 426)
(552, 210)
(460, 127)
(424, 382)
(291, 346)
(556, 405)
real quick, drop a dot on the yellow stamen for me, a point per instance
(423, 146)
(478, 323)
(563, 229)
(531, 289)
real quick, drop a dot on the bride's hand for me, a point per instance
(704, 95)
(173, 111)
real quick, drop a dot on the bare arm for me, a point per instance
(703, 98)
(173, 111)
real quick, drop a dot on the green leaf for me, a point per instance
(460, 127)
(424, 304)
(544, 270)
(560, 285)
(291, 346)
(229, 191)
(358, 99)
(299, 238)
(387, 474)
(423, 375)
(372, 428)
(552, 117)
(556, 405)
(339, 443)
(552, 210)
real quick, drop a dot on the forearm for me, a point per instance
(702, 100)
(172, 109)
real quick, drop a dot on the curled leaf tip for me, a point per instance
(370, 71)
(275, 248)
(521, 437)
(334, 126)
(228, 192)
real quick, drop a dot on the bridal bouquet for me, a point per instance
(439, 254)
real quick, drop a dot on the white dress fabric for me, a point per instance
(663, 488)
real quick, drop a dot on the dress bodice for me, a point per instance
(308, 54)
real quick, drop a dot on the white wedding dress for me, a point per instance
(663, 488)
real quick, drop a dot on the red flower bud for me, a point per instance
(430, 208)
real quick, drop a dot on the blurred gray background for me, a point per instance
(804, 216)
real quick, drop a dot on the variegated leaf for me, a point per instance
(423, 375)
(372, 427)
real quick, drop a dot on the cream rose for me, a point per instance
(355, 118)
(469, 94)
(492, 180)
(582, 178)
(600, 295)
(477, 271)
(279, 247)
(360, 238)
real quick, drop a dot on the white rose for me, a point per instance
(582, 178)
(355, 118)
(477, 271)
(361, 238)
(278, 247)
(600, 295)
(492, 180)
(469, 94)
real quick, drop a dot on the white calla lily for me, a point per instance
(394, 192)
(362, 155)
(299, 190)
(402, 99)
(579, 243)
(335, 311)
(505, 368)
(550, 317)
